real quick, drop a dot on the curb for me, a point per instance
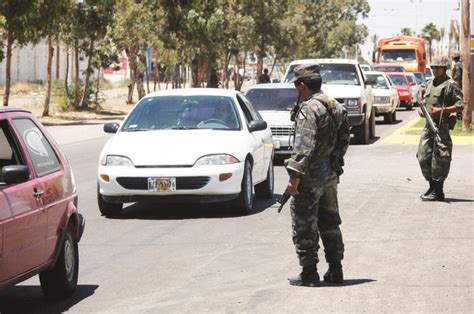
(399, 137)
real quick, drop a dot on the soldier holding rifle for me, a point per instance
(442, 98)
(321, 139)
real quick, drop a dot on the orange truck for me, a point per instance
(404, 50)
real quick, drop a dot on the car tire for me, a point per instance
(387, 118)
(394, 116)
(361, 133)
(264, 190)
(409, 106)
(244, 202)
(372, 124)
(61, 280)
(108, 209)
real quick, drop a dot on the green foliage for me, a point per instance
(406, 31)
(417, 128)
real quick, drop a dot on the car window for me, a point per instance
(9, 153)
(42, 154)
(398, 79)
(272, 98)
(380, 81)
(399, 55)
(250, 112)
(291, 73)
(411, 78)
(183, 112)
(389, 68)
(339, 74)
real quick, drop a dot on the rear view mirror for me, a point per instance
(111, 127)
(257, 125)
(15, 174)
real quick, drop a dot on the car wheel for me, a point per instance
(372, 124)
(361, 133)
(409, 106)
(244, 202)
(108, 209)
(387, 118)
(61, 280)
(265, 189)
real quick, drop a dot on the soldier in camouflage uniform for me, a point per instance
(321, 139)
(457, 69)
(442, 97)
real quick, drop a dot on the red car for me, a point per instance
(403, 88)
(40, 225)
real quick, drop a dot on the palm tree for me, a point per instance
(442, 33)
(406, 31)
(374, 38)
(453, 35)
(430, 33)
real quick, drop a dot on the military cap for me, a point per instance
(306, 71)
(456, 54)
(440, 62)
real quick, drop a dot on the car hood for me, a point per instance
(173, 147)
(342, 91)
(276, 117)
(382, 92)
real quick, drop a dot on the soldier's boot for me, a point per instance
(334, 273)
(430, 189)
(437, 194)
(309, 277)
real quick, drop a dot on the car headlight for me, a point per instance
(382, 99)
(218, 159)
(353, 102)
(114, 160)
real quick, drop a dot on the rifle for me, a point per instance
(283, 199)
(430, 121)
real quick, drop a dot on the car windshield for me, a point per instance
(339, 74)
(399, 55)
(420, 78)
(399, 80)
(380, 81)
(273, 98)
(183, 113)
(428, 72)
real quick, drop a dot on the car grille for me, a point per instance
(281, 130)
(182, 183)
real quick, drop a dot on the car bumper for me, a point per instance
(283, 145)
(171, 199)
(356, 118)
(383, 108)
(200, 181)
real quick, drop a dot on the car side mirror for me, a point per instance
(257, 125)
(13, 174)
(412, 84)
(111, 127)
(370, 81)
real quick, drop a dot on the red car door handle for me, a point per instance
(38, 193)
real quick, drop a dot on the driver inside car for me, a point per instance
(222, 113)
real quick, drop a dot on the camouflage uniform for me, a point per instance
(321, 139)
(434, 156)
(457, 69)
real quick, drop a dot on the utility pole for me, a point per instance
(466, 58)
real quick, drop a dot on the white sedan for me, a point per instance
(386, 100)
(197, 145)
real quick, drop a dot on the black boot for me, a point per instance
(334, 273)
(309, 277)
(430, 189)
(437, 194)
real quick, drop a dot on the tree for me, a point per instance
(430, 33)
(453, 35)
(18, 27)
(406, 31)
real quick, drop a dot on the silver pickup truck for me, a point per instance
(343, 79)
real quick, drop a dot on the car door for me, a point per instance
(262, 140)
(23, 218)
(50, 175)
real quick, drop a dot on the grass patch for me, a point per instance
(23, 88)
(417, 128)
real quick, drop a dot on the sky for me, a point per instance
(387, 17)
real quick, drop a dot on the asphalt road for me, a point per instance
(402, 255)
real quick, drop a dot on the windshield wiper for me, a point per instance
(184, 128)
(137, 129)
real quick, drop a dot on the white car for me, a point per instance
(178, 146)
(386, 100)
(274, 102)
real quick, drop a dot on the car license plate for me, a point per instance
(161, 184)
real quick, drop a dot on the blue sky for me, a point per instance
(388, 17)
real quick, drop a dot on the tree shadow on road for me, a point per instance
(30, 299)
